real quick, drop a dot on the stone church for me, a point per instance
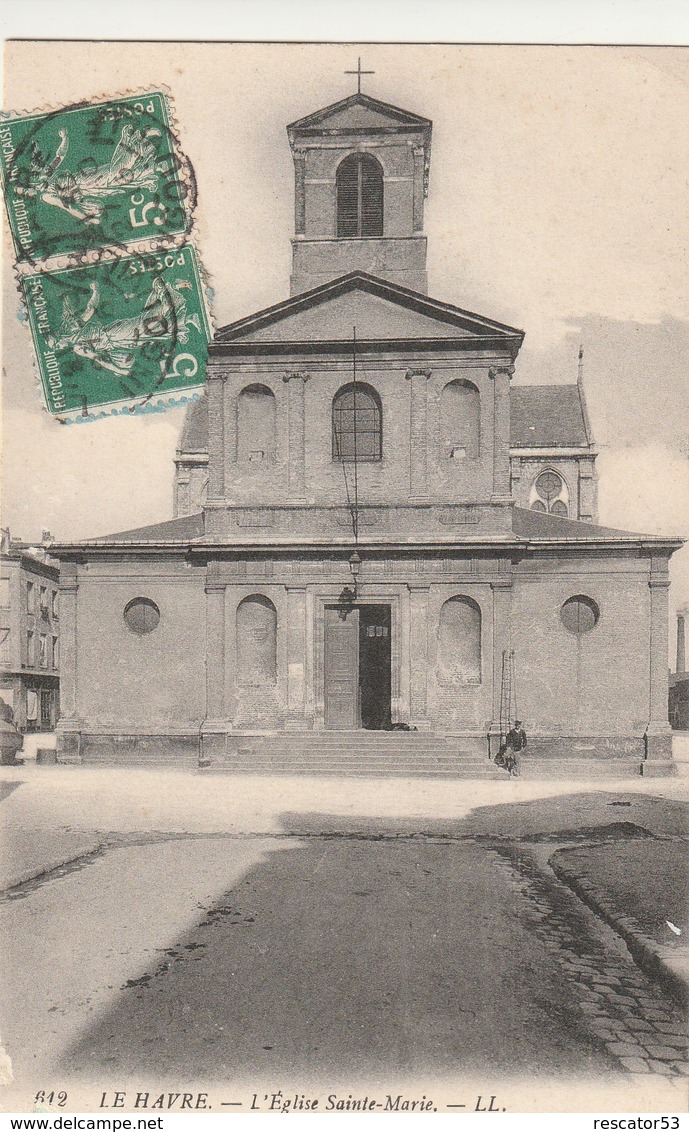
(374, 530)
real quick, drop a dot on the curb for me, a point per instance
(654, 960)
(36, 871)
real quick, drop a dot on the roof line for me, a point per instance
(350, 99)
(297, 302)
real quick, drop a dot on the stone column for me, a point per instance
(296, 659)
(502, 638)
(68, 734)
(216, 432)
(418, 618)
(500, 376)
(418, 435)
(214, 726)
(296, 383)
(658, 733)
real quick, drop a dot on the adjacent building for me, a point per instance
(29, 634)
(375, 528)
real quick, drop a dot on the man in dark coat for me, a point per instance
(515, 742)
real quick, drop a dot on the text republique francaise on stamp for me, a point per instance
(100, 203)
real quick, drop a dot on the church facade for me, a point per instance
(374, 528)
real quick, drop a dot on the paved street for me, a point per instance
(322, 944)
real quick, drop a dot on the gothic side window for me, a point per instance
(357, 423)
(359, 197)
(256, 425)
(460, 420)
(256, 641)
(549, 494)
(459, 640)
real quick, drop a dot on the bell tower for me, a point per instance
(361, 179)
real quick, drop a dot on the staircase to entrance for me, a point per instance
(361, 753)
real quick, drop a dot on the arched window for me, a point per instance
(460, 420)
(255, 425)
(549, 494)
(359, 196)
(459, 643)
(256, 641)
(357, 423)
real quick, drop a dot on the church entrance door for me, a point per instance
(357, 667)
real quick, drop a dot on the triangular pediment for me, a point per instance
(378, 309)
(359, 112)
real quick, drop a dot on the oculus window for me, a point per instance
(579, 614)
(141, 615)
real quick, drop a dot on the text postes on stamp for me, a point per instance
(94, 175)
(119, 333)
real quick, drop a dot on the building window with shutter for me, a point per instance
(56, 652)
(357, 423)
(30, 598)
(55, 603)
(30, 658)
(359, 197)
(43, 650)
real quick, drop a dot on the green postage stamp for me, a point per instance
(100, 202)
(94, 175)
(120, 335)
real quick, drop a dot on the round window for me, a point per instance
(548, 485)
(579, 614)
(142, 615)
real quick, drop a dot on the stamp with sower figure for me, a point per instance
(121, 334)
(100, 203)
(94, 176)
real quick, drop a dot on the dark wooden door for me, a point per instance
(341, 669)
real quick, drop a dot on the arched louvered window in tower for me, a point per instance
(359, 197)
(357, 423)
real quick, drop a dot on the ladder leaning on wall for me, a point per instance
(508, 699)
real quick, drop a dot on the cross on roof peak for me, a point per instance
(358, 74)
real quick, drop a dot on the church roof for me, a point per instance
(184, 529)
(390, 313)
(530, 529)
(358, 113)
(535, 525)
(547, 416)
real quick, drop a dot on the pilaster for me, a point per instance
(501, 376)
(502, 638)
(216, 432)
(296, 659)
(658, 732)
(418, 435)
(419, 155)
(299, 156)
(68, 737)
(296, 409)
(418, 618)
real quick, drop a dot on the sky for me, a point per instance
(557, 204)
